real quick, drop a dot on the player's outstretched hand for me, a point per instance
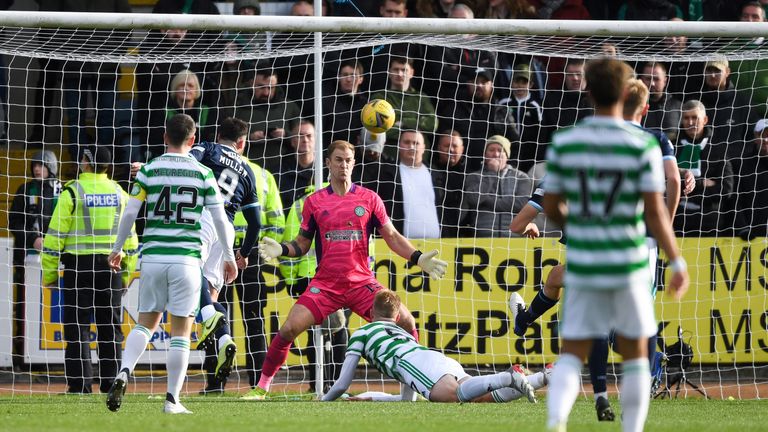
(230, 271)
(135, 167)
(114, 259)
(269, 249)
(242, 262)
(430, 264)
(531, 231)
(678, 284)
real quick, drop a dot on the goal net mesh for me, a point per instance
(64, 88)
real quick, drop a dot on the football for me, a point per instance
(377, 116)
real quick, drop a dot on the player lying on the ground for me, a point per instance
(395, 353)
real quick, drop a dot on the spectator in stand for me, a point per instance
(686, 78)
(664, 109)
(234, 72)
(509, 9)
(649, 10)
(700, 213)
(445, 69)
(495, 193)
(185, 98)
(375, 170)
(526, 113)
(729, 110)
(297, 170)
(269, 114)
(751, 76)
(474, 114)
(563, 108)
(413, 204)
(297, 71)
(752, 203)
(413, 109)
(154, 79)
(448, 170)
(560, 9)
(341, 109)
(434, 9)
(28, 220)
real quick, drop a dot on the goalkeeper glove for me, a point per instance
(427, 261)
(269, 249)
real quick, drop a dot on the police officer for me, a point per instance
(250, 283)
(80, 236)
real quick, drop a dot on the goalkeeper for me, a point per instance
(436, 377)
(340, 218)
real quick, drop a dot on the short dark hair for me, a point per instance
(354, 64)
(653, 64)
(178, 128)
(231, 129)
(401, 60)
(98, 157)
(606, 80)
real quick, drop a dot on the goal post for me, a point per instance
(77, 78)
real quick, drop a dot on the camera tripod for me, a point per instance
(677, 380)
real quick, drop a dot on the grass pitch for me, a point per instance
(141, 413)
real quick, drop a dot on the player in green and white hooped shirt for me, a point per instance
(607, 172)
(176, 188)
(395, 353)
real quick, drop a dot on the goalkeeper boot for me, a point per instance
(604, 410)
(209, 328)
(517, 307)
(226, 360)
(116, 392)
(256, 394)
(520, 383)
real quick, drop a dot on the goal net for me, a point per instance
(71, 80)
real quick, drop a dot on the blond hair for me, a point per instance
(386, 304)
(637, 97)
(184, 77)
(340, 144)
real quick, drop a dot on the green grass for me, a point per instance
(141, 414)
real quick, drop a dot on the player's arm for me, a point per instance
(125, 229)
(403, 247)
(345, 377)
(672, 174)
(657, 218)
(555, 208)
(270, 249)
(522, 224)
(252, 213)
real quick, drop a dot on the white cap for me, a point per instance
(760, 125)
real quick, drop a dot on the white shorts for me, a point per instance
(589, 314)
(421, 369)
(213, 267)
(174, 287)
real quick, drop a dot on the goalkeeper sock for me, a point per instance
(276, 356)
(564, 386)
(635, 388)
(539, 305)
(178, 359)
(598, 365)
(135, 344)
(474, 387)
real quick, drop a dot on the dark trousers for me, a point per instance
(250, 288)
(91, 291)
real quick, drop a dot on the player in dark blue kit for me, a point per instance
(238, 189)
(635, 107)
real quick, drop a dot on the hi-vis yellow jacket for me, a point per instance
(85, 222)
(272, 218)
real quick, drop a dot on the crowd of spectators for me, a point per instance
(459, 110)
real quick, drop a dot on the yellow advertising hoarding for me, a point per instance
(725, 313)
